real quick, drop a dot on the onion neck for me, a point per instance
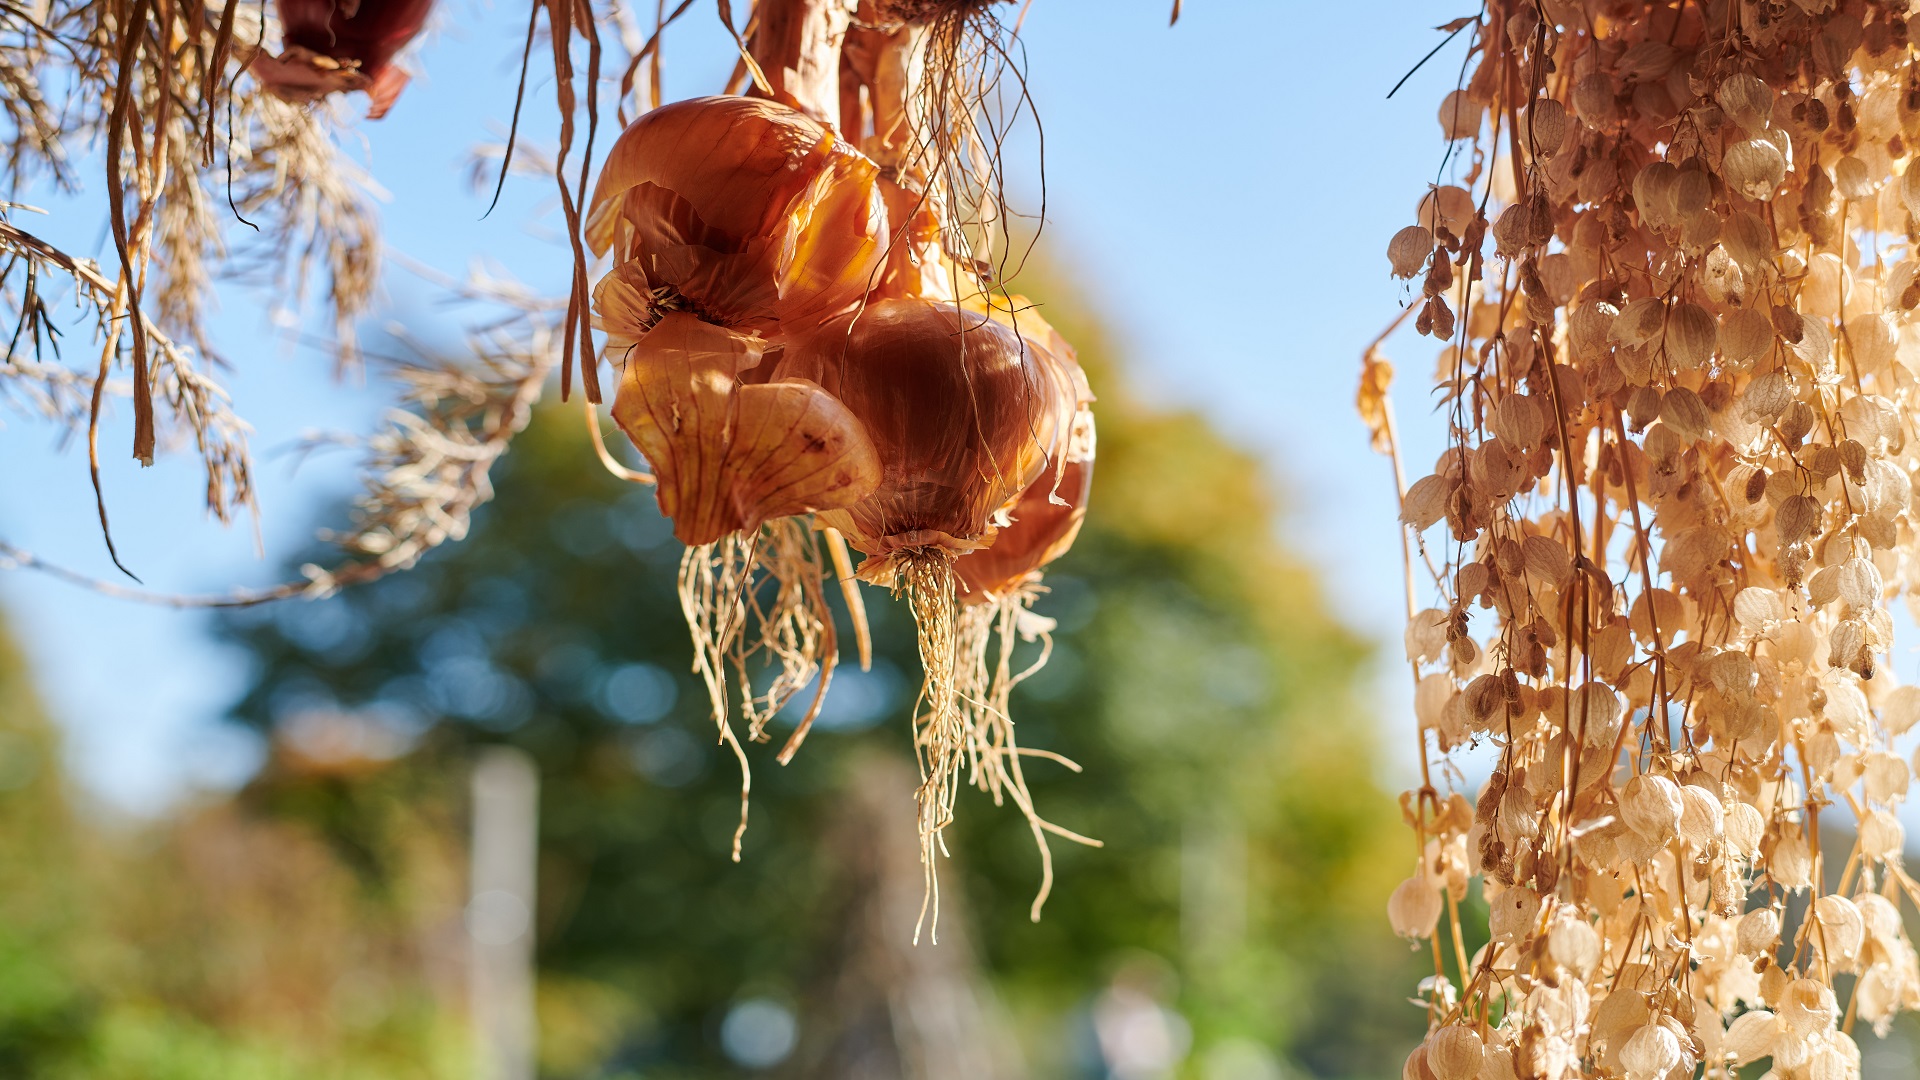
(797, 45)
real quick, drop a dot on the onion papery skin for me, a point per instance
(330, 47)
(1043, 529)
(727, 455)
(760, 217)
(964, 413)
(916, 266)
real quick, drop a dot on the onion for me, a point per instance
(1045, 522)
(331, 46)
(727, 456)
(753, 215)
(963, 411)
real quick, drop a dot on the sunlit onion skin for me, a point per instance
(728, 456)
(916, 267)
(759, 217)
(963, 412)
(1046, 521)
(331, 46)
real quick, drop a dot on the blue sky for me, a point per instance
(1224, 191)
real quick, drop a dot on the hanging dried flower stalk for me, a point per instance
(1675, 504)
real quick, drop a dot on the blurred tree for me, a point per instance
(208, 944)
(1197, 676)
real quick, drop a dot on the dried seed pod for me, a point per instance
(1754, 168)
(1547, 126)
(1807, 1008)
(1460, 116)
(1751, 1036)
(1758, 932)
(1455, 1052)
(1748, 101)
(1651, 806)
(1651, 1053)
(1414, 907)
(1446, 207)
(1701, 818)
(331, 47)
(747, 212)
(1882, 837)
(1574, 944)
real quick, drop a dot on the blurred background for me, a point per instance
(318, 840)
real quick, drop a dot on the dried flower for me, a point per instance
(1677, 495)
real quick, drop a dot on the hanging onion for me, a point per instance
(332, 46)
(1045, 522)
(727, 457)
(963, 412)
(744, 211)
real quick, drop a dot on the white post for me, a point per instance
(506, 801)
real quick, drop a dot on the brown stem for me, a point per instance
(797, 45)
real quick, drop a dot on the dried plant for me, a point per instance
(162, 116)
(1675, 504)
(428, 469)
(809, 338)
(739, 291)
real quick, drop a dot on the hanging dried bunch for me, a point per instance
(802, 357)
(1674, 286)
(332, 46)
(153, 87)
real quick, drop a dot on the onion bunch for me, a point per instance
(801, 358)
(333, 46)
(1674, 282)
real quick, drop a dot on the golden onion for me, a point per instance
(1045, 523)
(728, 455)
(963, 413)
(744, 211)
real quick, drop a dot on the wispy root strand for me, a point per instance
(755, 600)
(926, 576)
(984, 678)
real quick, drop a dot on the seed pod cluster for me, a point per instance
(801, 357)
(1674, 283)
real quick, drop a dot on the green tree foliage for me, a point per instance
(207, 945)
(1197, 676)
